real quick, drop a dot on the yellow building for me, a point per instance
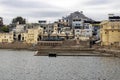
(6, 37)
(63, 22)
(110, 33)
(32, 35)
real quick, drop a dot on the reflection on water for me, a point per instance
(22, 65)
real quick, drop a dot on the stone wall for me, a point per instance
(45, 44)
(84, 43)
(15, 45)
(62, 44)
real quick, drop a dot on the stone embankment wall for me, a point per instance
(66, 51)
(62, 44)
(15, 45)
(44, 44)
(115, 53)
(67, 46)
(76, 42)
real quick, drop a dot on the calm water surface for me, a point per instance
(22, 65)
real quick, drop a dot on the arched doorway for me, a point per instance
(39, 38)
(19, 37)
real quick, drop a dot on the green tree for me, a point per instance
(5, 29)
(19, 19)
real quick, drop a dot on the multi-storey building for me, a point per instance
(32, 35)
(63, 22)
(87, 29)
(110, 31)
(80, 25)
(76, 17)
(83, 31)
(96, 29)
(6, 37)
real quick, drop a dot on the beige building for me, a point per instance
(6, 37)
(58, 35)
(61, 34)
(110, 33)
(32, 35)
(63, 22)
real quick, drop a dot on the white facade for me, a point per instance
(77, 23)
(78, 32)
(19, 28)
(88, 30)
(85, 33)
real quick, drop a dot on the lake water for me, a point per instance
(22, 65)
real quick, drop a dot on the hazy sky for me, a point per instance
(34, 10)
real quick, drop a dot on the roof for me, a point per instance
(114, 17)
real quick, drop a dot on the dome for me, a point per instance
(54, 33)
(46, 33)
(70, 33)
(63, 33)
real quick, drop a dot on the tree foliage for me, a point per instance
(19, 19)
(4, 29)
(1, 21)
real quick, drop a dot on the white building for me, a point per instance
(19, 28)
(87, 31)
(83, 32)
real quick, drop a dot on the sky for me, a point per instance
(52, 10)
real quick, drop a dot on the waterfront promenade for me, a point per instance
(69, 48)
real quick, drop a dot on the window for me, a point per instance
(87, 27)
(44, 27)
(77, 24)
(22, 38)
(77, 30)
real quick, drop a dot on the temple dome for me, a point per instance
(63, 33)
(54, 33)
